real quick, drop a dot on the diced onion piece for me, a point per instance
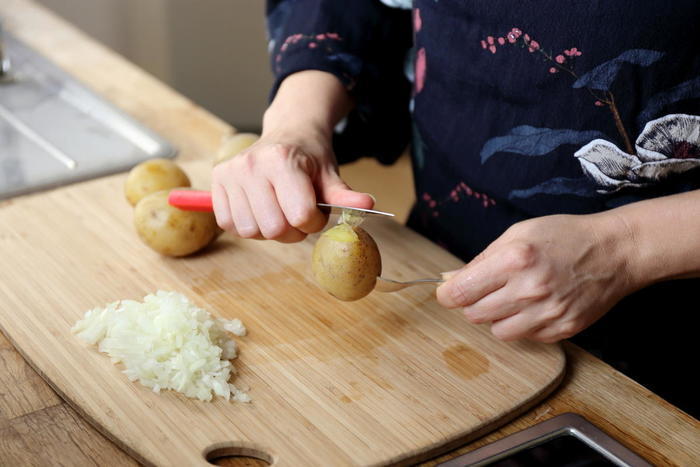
(166, 342)
(234, 326)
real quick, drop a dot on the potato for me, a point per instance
(151, 176)
(346, 262)
(233, 145)
(171, 231)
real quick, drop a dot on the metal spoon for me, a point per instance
(390, 285)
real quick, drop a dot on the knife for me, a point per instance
(199, 200)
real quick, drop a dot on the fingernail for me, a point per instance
(374, 200)
(449, 274)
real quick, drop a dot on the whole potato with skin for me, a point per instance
(151, 176)
(233, 145)
(171, 231)
(346, 262)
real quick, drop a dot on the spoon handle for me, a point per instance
(390, 285)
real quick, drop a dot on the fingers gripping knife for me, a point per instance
(197, 200)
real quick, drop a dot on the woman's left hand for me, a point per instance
(546, 278)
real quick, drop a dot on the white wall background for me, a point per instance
(212, 51)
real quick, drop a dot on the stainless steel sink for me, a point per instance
(55, 131)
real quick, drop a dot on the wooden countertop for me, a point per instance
(38, 428)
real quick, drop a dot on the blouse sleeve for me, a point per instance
(365, 44)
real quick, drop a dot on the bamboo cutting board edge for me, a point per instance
(463, 439)
(419, 455)
(83, 414)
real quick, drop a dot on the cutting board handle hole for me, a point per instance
(237, 455)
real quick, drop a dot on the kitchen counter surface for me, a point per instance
(38, 428)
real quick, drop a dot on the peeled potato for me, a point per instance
(346, 262)
(233, 145)
(171, 231)
(151, 176)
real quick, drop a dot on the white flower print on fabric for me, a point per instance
(403, 4)
(667, 146)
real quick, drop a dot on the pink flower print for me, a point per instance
(312, 41)
(565, 62)
(420, 69)
(561, 61)
(292, 39)
(417, 21)
(455, 196)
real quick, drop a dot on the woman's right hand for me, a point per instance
(270, 190)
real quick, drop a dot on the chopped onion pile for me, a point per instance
(167, 342)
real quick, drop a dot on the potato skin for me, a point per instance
(346, 262)
(151, 176)
(233, 145)
(171, 231)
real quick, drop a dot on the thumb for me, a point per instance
(334, 190)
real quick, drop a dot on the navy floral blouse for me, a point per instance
(515, 110)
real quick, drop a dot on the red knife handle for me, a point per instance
(191, 200)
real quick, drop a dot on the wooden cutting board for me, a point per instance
(390, 379)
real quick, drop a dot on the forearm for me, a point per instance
(309, 99)
(663, 237)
